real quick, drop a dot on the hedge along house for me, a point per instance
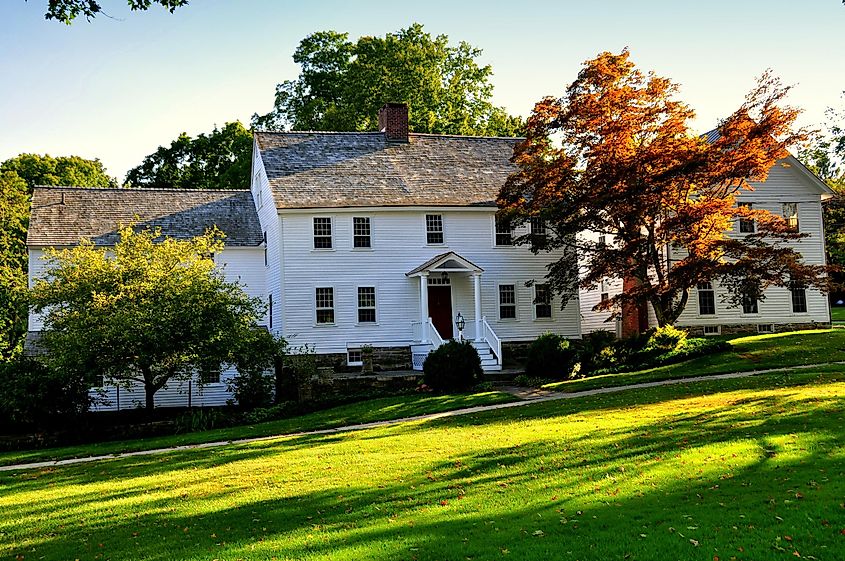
(388, 239)
(62, 216)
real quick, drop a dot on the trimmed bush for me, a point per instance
(33, 394)
(666, 339)
(453, 366)
(550, 356)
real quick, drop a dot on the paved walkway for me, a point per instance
(528, 396)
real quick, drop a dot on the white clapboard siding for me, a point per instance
(176, 393)
(398, 246)
(269, 219)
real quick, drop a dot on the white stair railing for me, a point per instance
(433, 336)
(492, 339)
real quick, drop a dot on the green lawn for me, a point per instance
(837, 313)
(361, 412)
(756, 352)
(745, 468)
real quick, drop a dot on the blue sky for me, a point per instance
(117, 88)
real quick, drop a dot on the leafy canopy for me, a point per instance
(615, 156)
(70, 171)
(147, 310)
(66, 11)
(14, 218)
(219, 160)
(342, 85)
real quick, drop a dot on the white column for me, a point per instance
(424, 306)
(476, 285)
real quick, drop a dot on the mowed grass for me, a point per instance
(381, 409)
(757, 352)
(744, 468)
(837, 313)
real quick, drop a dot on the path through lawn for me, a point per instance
(746, 468)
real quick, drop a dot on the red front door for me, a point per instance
(440, 309)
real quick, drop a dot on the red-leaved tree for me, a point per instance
(615, 156)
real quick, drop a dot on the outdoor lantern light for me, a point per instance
(461, 323)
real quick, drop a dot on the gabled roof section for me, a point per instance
(62, 216)
(449, 262)
(331, 170)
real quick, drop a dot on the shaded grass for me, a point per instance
(758, 352)
(380, 409)
(837, 314)
(745, 468)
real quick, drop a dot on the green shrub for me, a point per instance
(666, 339)
(550, 356)
(252, 388)
(33, 394)
(198, 420)
(453, 366)
(593, 347)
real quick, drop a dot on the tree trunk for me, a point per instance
(150, 392)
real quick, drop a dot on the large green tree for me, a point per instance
(14, 218)
(144, 311)
(71, 171)
(66, 11)
(218, 160)
(342, 85)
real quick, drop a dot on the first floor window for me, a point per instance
(799, 297)
(542, 301)
(366, 304)
(706, 299)
(322, 232)
(749, 304)
(746, 225)
(433, 228)
(507, 301)
(504, 236)
(210, 374)
(361, 232)
(790, 214)
(325, 305)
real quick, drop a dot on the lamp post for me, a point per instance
(461, 323)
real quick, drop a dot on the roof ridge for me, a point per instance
(138, 189)
(411, 133)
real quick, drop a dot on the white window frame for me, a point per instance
(749, 314)
(746, 220)
(496, 234)
(349, 361)
(803, 288)
(716, 330)
(786, 217)
(333, 307)
(374, 307)
(544, 234)
(217, 374)
(314, 233)
(765, 328)
(370, 235)
(442, 229)
(515, 301)
(534, 303)
(712, 290)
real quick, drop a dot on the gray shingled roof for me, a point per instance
(62, 216)
(324, 170)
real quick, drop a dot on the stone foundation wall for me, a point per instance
(751, 329)
(515, 353)
(384, 358)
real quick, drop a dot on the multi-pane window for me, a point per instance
(538, 229)
(354, 357)
(210, 374)
(504, 234)
(602, 240)
(542, 301)
(749, 304)
(433, 228)
(322, 232)
(790, 214)
(366, 304)
(799, 297)
(712, 329)
(706, 299)
(604, 291)
(264, 241)
(325, 305)
(270, 310)
(507, 301)
(361, 232)
(746, 225)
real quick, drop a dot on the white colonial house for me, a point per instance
(790, 190)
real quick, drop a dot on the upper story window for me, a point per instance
(264, 241)
(706, 299)
(538, 229)
(507, 301)
(746, 225)
(434, 228)
(602, 240)
(361, 232)
(542, 301)
(259, 199)
(325, 305)
(322, 232)
(504, 234)
(790, 214)
(604, 290)
(366, 304)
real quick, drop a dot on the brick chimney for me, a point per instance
(393, 121)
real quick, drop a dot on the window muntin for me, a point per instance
(712, 329)
(324, 300)
(790, 214)
(604, 290)
(746, 225)
(354, 357)
(538, 229)
(799, 297)
(504, 233)
(507, 301)
(434, 228)
(322, 232)
(706, 299)
(361, 232)
(366, 304)
(542, 301)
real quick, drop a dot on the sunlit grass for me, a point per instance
(757, 352)
(748, 468)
